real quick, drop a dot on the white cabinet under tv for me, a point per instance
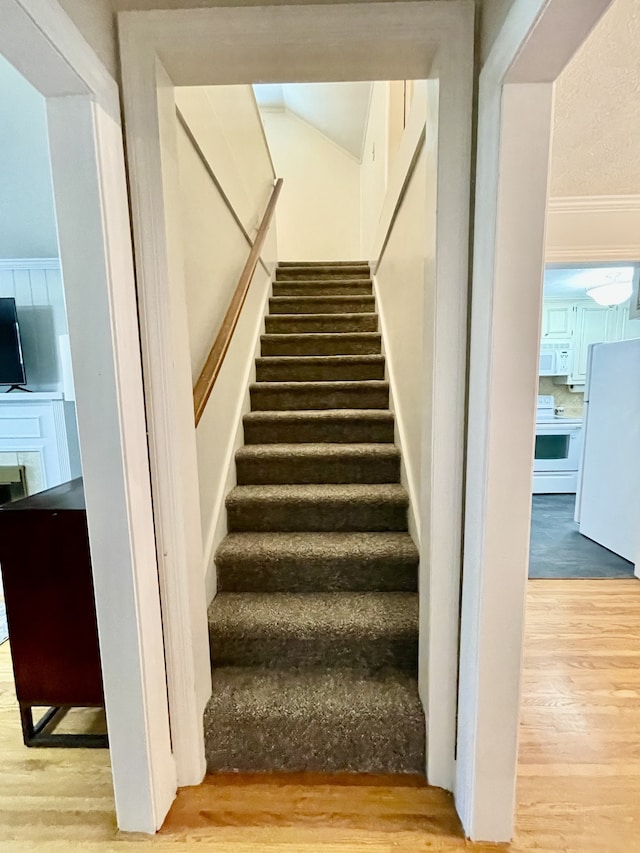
(37, 432)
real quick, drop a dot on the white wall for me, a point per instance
(318, 212)
(220, 431)
(27, 218)
(227, 125)
(373, 181)
(214, 251)
(401, 281)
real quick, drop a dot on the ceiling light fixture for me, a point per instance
(611, 292)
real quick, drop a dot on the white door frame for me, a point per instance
(86, 146)
(211, 46)
(514, 130)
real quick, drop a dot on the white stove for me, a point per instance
(558, 450)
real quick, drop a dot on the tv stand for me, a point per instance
(19, 388)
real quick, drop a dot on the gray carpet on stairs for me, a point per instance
(314, 630)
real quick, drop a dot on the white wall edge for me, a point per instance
(67, 64)
(264, 135)
(294, 115)
(412, 140)
(422, 32)
(535, 43)
(151, 132)
(94, 233)
(407, 474)
(87, 156)
(218, 525)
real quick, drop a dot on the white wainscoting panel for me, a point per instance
(36, 285)
(36, 423)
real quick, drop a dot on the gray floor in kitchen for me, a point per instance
(559, 551)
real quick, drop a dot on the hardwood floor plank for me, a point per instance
(579, 772)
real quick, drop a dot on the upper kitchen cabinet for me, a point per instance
(587, 305)
(594, 324)
(557, 320)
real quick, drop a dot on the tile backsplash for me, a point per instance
(572, 402)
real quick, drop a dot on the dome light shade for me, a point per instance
(611, 292)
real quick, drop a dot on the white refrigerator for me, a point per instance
(608, 497)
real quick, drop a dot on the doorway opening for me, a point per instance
(434, 43)
(582, 598)
(583, 479)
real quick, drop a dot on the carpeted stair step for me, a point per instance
(368, 631)
(320, 287)
(352, 507)
(292, 324)
(317, 562)
(355, 343)
(327, 271)
(337, 304)
(289, 396)
(315, 368)
(330, 425)
(263, 464)
(315, 264)
(314, 720)
(314, 631)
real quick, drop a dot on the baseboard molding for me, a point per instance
(407, 475)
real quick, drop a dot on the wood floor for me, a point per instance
(579, 779)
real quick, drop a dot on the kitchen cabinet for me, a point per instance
(630, 329)
(593, 324)
(557, 320)
(581, 323)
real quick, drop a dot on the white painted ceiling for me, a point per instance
(338, 110)
(572, 282)
(597, 111)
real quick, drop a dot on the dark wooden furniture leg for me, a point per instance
(42, 732)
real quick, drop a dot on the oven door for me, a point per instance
(557, 457)
(557, 447)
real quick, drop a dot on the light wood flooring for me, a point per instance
(579, 779)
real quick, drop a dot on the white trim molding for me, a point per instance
(29, 263)
(350, 41)
(593, 228)
(66, 64)
(90, 191)
(515, 119)
(594, 204)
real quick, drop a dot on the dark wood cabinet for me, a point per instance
(48, 588)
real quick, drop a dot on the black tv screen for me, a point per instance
(11, 363)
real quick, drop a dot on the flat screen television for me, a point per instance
(12, 370)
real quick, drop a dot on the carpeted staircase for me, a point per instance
(314, 630)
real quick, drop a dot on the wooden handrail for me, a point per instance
(401, 195)
(204, 385)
